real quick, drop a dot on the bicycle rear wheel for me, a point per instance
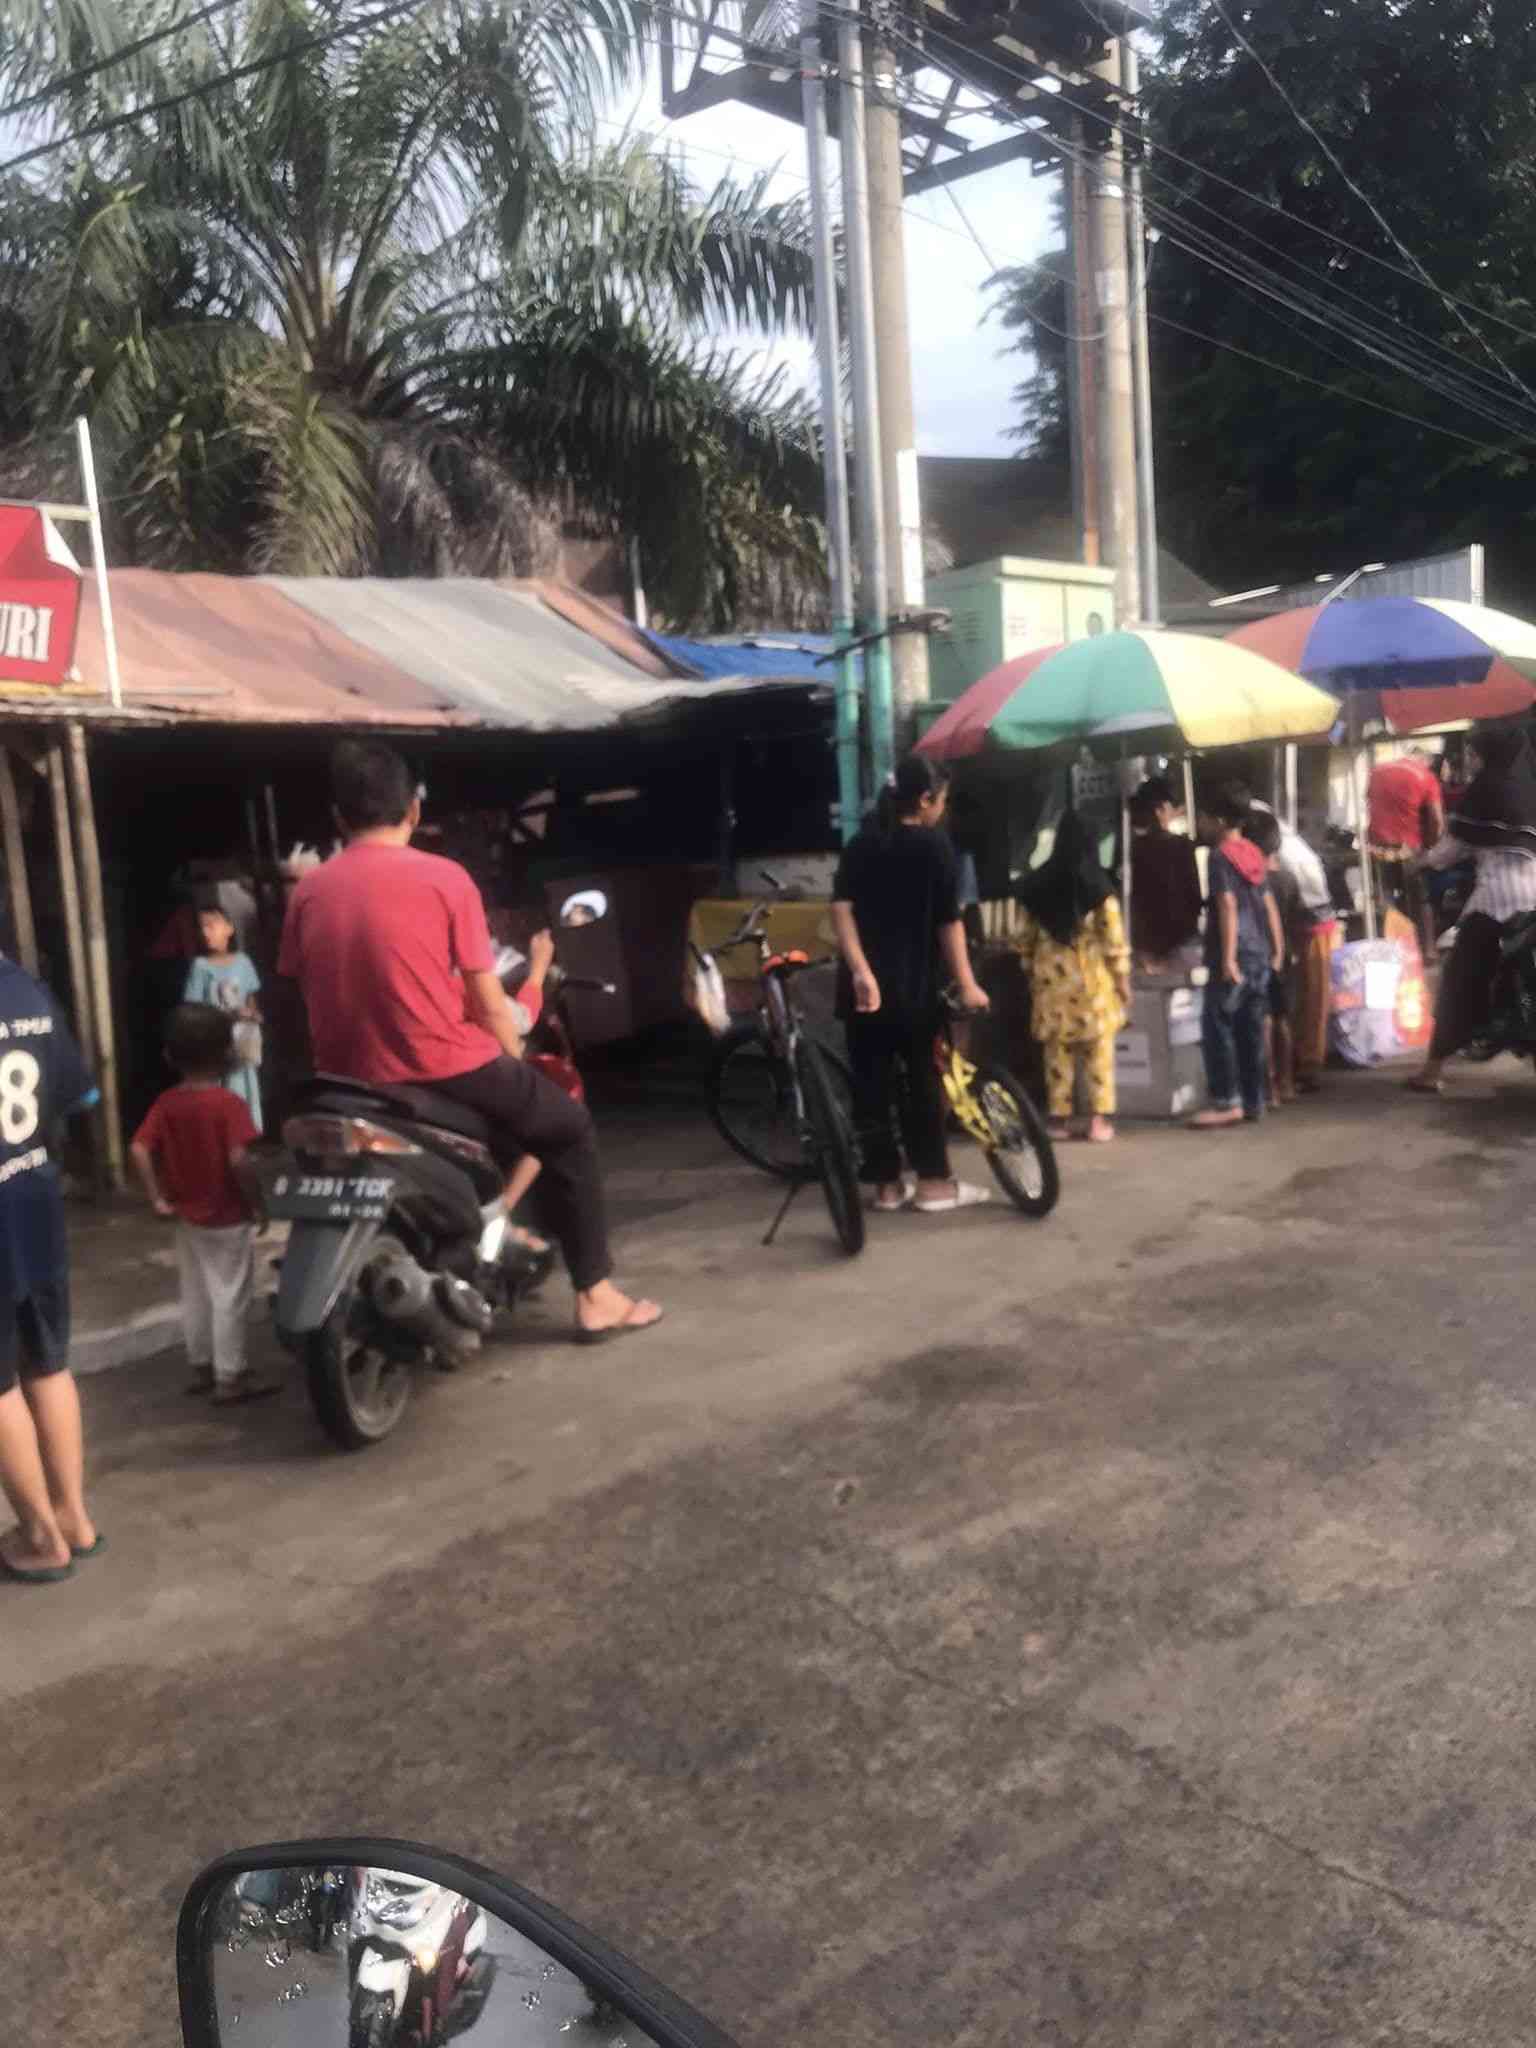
(752, 1105)
(829, 1134)
(1020, 1154)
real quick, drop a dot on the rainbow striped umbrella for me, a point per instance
(1175, 688)
(1419, 661)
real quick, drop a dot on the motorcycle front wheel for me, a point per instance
(358, 1391)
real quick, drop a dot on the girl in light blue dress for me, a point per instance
(228, 980)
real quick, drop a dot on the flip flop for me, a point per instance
(40, 1575)
(626, 1328)
(1419, 1086)
(90, 1549)
(245, 1389)
(882, 1207)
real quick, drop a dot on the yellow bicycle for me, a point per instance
(991, 1106)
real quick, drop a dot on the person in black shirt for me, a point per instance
(42, 1080)
(896, 912)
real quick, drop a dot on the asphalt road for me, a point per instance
(1116, 1631)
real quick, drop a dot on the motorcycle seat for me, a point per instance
(418, 1105)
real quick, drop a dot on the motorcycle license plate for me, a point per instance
(330, 1197)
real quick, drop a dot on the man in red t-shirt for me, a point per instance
(1404, 804)
(391, 952)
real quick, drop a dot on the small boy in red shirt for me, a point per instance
(191, 1155)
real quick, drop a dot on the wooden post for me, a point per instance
(69, 897)
(20, 889)
(98, 961)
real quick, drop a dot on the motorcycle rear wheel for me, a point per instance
(358, 1391)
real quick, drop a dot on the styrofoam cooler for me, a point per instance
(1159, 1071)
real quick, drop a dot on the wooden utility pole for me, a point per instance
(98, 965)
(18, 886)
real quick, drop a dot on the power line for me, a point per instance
(1334, 390)
(1310, 129)
(378, 19)
(68, 80)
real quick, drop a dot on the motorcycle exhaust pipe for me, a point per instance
(406, 1295)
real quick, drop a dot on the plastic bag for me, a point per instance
(706, 993)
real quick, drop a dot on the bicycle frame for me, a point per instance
(958, 1075)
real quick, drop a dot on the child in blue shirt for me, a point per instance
(228, 980)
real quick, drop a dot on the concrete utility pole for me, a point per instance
(1083, 355)
(834, 451)
(898, 418)
(1122, 534)
(1146, 450)
(868, 463)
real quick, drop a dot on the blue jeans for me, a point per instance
(1232, 1038)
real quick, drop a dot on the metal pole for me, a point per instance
(1141, 367)
(868, 467)
(893, 343)
(99, 561)
(1118, 403)
(834, 446)
(1292, 777)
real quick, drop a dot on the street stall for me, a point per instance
(1169, 693)
(550, 740)
(1398, 665)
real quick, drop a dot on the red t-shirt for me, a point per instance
(1398, 793)
(192, 1130)
(377, 939)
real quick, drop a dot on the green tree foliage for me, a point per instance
(1430, 106)
(386, 304)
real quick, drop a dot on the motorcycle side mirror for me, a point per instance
(381, 1944)
(587, 906)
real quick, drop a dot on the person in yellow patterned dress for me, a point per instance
(1072, 946)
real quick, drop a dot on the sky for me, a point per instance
(963, 376)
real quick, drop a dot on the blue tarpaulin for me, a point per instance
(770, 657)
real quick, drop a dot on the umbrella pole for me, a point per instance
(1292, 765)
(1358, 818)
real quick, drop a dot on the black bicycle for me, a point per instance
(781, 1100)
(749, 1088)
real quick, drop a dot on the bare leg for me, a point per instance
(519, 1181)
(55, 1404)
(1285, 1060)
(37, 1540)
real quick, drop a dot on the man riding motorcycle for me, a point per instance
(394, 960)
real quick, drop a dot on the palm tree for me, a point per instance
(383, 303)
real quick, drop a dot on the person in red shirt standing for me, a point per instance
(190, 1152)
(1406, 816)
(393, 957)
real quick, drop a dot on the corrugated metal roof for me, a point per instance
(409, 653)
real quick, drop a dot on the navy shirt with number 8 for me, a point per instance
(43, 1079)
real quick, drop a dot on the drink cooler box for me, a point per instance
(1159, 1071)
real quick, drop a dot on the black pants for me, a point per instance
(896, 1084)
(529, 1114)
(1466, 985)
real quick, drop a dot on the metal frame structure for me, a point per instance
(746, 50)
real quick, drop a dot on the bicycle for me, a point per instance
(749, 1092)
(992, 1107)
(806, 1103)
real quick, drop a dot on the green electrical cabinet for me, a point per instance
(1006, 607)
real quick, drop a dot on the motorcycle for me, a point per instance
(427, 1949)
(400, 1251)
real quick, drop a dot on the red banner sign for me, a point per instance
(40, 583)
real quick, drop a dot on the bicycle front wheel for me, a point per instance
(1019, 1150)
(829, 1135)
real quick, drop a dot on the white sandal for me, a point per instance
(965, 1197)
(883, 1207)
